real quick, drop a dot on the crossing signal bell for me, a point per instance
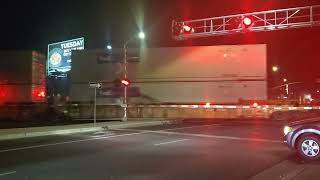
(125, 82)
(247, 22)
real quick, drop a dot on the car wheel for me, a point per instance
(308, 147)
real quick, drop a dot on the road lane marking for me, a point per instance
(171, 142)
(99, 132)
(169, 129)
(190, 127)
(205, 135)
(250, 122)
(69, 142)
(225, 137)
(102, 135)
(8, 173)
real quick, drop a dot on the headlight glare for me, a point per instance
(287, 130)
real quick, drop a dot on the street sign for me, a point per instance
(95, 85)
(117, 92)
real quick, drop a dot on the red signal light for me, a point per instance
(247, 22)
(38, 93)
(255, 104)
(41, 94)
(187, 29)
(125, 82)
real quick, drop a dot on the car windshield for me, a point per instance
(161, 89)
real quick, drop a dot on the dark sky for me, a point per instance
(32, 24)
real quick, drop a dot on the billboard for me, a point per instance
(59, 55)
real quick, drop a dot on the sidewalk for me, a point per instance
(6, 134)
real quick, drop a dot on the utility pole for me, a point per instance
(125, 98)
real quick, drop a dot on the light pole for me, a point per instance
(287, 86)
(274, 75)
(141, 35)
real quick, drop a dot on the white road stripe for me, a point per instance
(230, 138)
(102, 135)
(170, 142)
(206, 136)
(99, 132)
(8, 173)
(203, 121)
(190, 127)
(69, 142)
(227, 123)
(171, 129)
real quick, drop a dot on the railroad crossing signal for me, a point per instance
(247, 22)
(187, 29)
(125, 82)
(269, 20)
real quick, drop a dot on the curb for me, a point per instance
(141, 124)
(34, 132)
(28, 133)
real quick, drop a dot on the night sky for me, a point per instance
(27, 25)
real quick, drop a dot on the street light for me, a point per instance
(109, 47)
(275, 68)
(141, 36)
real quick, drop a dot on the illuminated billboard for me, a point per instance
(59, 55)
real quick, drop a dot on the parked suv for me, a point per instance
(304, 137)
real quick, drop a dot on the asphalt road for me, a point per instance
(195, 149)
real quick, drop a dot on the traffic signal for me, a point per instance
(125, 82)
(247, 21)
